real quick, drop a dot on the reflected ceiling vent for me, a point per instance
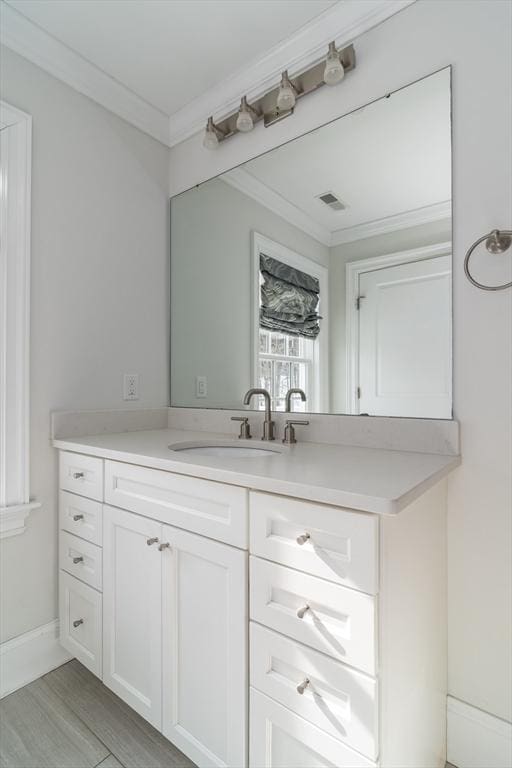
(333, 202)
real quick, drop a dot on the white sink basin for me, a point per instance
(226, 449)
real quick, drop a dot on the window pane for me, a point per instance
(279, 404)
(281, 378)
(294, 346)
(278, 344)
(264, 379)
(264, 342)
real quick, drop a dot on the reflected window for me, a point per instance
(285, 361)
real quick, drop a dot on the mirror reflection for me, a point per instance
(323, 266)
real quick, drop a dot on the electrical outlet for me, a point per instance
(201, 386)
(131, 386)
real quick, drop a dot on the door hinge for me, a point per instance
(358, 392)
(358, 301)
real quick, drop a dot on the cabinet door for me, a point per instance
(132, 611)
(282, 739)
(205, 648)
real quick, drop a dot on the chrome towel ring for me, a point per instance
(497, 241)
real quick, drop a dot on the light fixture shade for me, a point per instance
(286, 95)
(334, 71)
(244, 121)
(210, 140)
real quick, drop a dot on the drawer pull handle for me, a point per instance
(164, 546)
(154, 540)
(78, 517)
(303, 538)
(79, 559)
(78, 475)
(301, 612)
(302, 687)
(78, 622)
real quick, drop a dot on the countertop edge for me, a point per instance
(332, 496)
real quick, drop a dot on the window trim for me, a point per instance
(263, 244)
(15, 177)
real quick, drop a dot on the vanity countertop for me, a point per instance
(369, 479)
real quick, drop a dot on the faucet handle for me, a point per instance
(245, 427)
(289, 431)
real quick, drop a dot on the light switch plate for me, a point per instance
(201, 386)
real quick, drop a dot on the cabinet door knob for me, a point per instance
(303, 538)
(78, 517)
(78, 475)
(78, 559)
(302, 686)
(166, 545)
(154, 540)
(78, 622)
(302, 611)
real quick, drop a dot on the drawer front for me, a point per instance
(81, 474)
(211, 509)
(81, 559)
(281, 739)
(80, 609)
(324, 692)
(81, 516)
(333, 619)
(332, 543)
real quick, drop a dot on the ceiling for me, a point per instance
(169, 52)
(387, 159)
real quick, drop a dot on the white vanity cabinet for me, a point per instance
(256, 630)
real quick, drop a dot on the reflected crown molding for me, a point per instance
(247, 184)
(343, 22)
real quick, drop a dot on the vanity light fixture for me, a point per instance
(280, 101)
(246, 117)
(287, 93)
(334, 71)
(212, 135)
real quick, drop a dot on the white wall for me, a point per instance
(99, 304)
(339, 257)
(475, 38)
(211, 238)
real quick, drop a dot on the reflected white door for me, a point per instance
(405, 340)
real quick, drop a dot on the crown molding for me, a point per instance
(244, 182)
(343, 22)
(434, 212)
(32, 42)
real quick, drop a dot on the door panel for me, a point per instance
(405, 340)
(205, 648)
(132, 594)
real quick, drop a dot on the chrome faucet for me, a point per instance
(290, 393)
(268, 424)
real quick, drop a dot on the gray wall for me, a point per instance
(99, 296)
(211, 288)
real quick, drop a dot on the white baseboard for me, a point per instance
(477, 739)
(29, 656)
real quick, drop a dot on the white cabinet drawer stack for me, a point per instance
(80, 556)
(313, 638)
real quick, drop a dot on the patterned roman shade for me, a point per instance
(289, 299)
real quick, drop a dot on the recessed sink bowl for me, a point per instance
(225, 449)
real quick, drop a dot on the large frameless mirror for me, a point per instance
(323, 265)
